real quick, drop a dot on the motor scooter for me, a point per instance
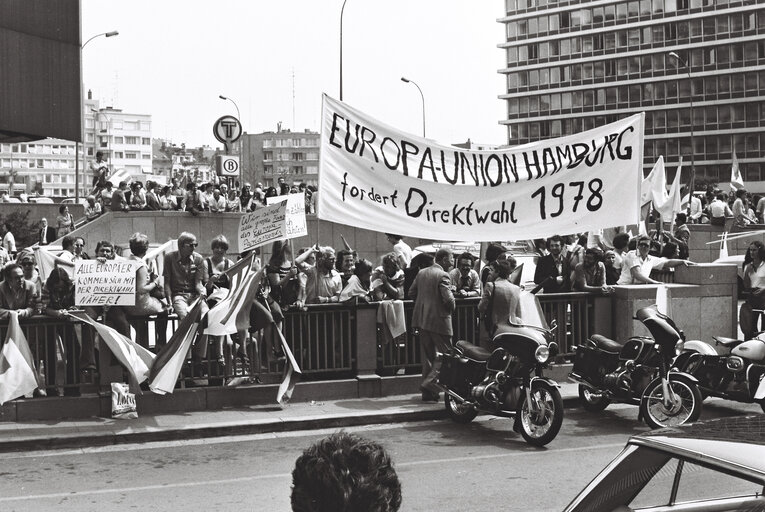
(639, 371)
(507, 381)
(736, 372)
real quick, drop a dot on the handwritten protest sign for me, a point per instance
(262, 226)
(104, 284)
(295, 216)
(375, 177)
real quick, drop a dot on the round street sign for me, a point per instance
(229, 165)
(227, 129)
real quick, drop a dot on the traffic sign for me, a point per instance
(227, 129)
(227, 165)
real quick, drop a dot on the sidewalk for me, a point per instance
(78, 433)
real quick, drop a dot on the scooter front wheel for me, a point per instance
(459, 412)
(685, 407)
(540, 423)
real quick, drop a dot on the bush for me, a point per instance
(24, 231)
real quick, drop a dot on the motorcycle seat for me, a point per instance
(726, 342)
(606, 344)
(473, 351)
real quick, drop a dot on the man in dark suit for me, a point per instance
(47, 234)
(433, 306)
(554, 269)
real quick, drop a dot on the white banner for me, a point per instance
(104, 284)
(375, 177)
(295, 223)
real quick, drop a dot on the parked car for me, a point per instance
(718, 465)
(41, 200)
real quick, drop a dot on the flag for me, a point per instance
(17, 372)
(671, 205)
(515, 277)
(136, 359)
(654, 186)
(664, 300)
(724, 245)
(232, 313)
(47, 261)
(119, 175)
(169, 361)
(736, 181)
(292, 373)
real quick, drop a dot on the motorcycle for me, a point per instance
(507, 381)
(737, 374)
(639, 372)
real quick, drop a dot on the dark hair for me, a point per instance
(397, 237)
(9, 268)
(669, 250)
(421, 261)
(219, 241)
(621, 241)
(345, 472)
(340, 255)
(760, 251)
(278, 250)
(391, 259)
(139, 244)
(68, 241)
(493, 251)
(681, 218)
(362, 267)
(504, 268)
(58, 276)
(594, 251)
(104, 243)
(554, 238)
(61, 208)
(466, 256)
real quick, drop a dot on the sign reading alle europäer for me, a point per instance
(376, 177)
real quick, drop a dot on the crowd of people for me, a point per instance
(714, 206)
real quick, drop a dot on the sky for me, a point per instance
(172, 59)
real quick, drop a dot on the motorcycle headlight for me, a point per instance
(679, 347)
(542, 354)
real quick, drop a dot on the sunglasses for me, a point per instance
(192, 244)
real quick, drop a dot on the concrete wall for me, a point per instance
(702, 233)
(703, 300)
(163, 226)
(38, 211)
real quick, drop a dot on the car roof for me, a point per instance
(737, 443)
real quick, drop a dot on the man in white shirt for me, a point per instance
(637, 264)
(400, 248)
(9, 241)
(718, 210)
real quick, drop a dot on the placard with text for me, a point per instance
(111, 283)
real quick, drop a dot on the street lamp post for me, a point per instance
(238, 116)
(423, 101)
(111, 33)
(692, 182)
(342, 11)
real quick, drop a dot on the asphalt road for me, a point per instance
(442, 466)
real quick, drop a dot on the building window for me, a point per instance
(146, 141)
(119, 140)
(118, 154)
(131, 140)
(131, 156)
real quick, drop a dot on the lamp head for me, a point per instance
(222, 97)
(112, 33)
(404, 79)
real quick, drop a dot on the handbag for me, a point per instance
(488, 322)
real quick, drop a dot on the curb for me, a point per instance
(108, 437)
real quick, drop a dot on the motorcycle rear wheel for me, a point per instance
(686, 410)
(540, 427)
(459, 412)
(591, 401)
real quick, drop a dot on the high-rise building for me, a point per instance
(267, 156)
(695, 67)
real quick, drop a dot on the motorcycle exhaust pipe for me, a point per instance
(455, 395)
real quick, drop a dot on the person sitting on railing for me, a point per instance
(166, 199)
(465, 280)
(637, 265)
(192, 201)
(93, 209)
(148, 293)
(358, 284)
(185, 278)
(283, 275)
(388, 279)
(60, 292)
(233, 204)
(217, 202)
(137, 197)
(590, 274)
(105, 197)
(119, 200)
(323, 283)
(612, 273)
